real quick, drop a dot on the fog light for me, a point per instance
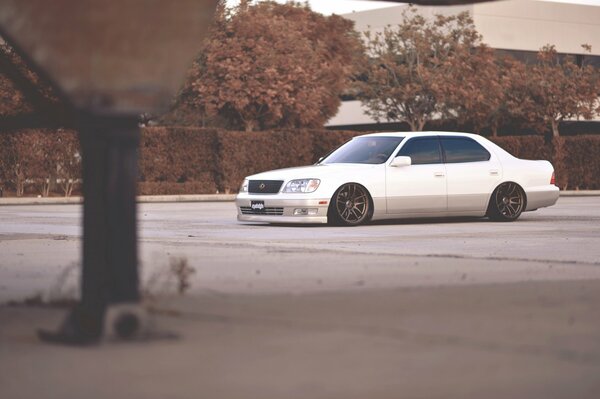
(305, 211)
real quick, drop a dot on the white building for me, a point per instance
(519, 27)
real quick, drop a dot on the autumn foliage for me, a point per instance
(270, 75)
(426, 69)
(207, 161)
(40, 161)
(217, 160)
(269, 65)
(12, 101)
(559, 89)
(418, 68)
(224, 158)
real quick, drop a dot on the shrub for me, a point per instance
(207, 186)
(178, 155)
(582, 156)
(525, 147)
(206, 161)
(39, 158)
(242, 154)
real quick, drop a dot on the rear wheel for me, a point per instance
(507, 202)
(350, 205)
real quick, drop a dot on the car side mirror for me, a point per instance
(401, 161)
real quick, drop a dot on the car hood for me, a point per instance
(310, 172)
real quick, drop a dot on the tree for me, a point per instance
(12, 101)
(496, 93)
(16, 160)
(270, 65)
(41, 159)
(422, 68)
(68, 156)
(560, 89)
(476, 89)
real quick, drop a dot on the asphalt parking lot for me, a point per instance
(427, 309)
(38, 243)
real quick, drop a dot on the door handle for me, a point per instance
(494, 172)
(438, 174)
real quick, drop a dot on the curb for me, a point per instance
(580, 193)
(196, 198)
(186, 198)
(140, 199)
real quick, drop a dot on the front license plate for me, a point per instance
(258, 206)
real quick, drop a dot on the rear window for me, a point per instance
(463, 149)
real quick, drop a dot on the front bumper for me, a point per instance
(288, 204)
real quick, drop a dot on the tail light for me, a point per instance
(553, 179)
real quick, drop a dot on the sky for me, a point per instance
(347, 6)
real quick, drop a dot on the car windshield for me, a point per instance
(368, 150)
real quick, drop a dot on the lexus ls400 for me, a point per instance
(401, 175)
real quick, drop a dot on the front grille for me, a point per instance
(246, 210)
(264, 186)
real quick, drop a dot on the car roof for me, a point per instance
(418, 134)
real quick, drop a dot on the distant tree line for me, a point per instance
(424, 69)
(272, 65)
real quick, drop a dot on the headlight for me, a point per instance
(244, 187)
(302, 186)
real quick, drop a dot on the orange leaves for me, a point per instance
(419, 68)
(41, 158)
(560, 89)
(424, 69)
(271, 65)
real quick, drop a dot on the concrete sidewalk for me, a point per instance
(192, 198)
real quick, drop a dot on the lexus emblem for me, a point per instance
(261, 186)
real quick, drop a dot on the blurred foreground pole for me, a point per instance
(110, 274)
(107, 62)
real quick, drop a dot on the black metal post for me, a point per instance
(109, 274)
(109, 219)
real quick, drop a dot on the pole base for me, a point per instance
(81, 327)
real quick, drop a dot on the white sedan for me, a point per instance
(401, 175)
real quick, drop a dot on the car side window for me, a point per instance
(422, 150)
(463, 149)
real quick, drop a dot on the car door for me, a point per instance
(472, 173)
(421, 186)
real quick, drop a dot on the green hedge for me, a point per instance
(177, 160)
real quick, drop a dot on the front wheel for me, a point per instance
(507, 202)
(350, 205)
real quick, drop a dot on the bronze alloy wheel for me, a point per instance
(350, 206)
(507, 202)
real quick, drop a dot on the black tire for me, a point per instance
(350, 206)
(507, 202)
